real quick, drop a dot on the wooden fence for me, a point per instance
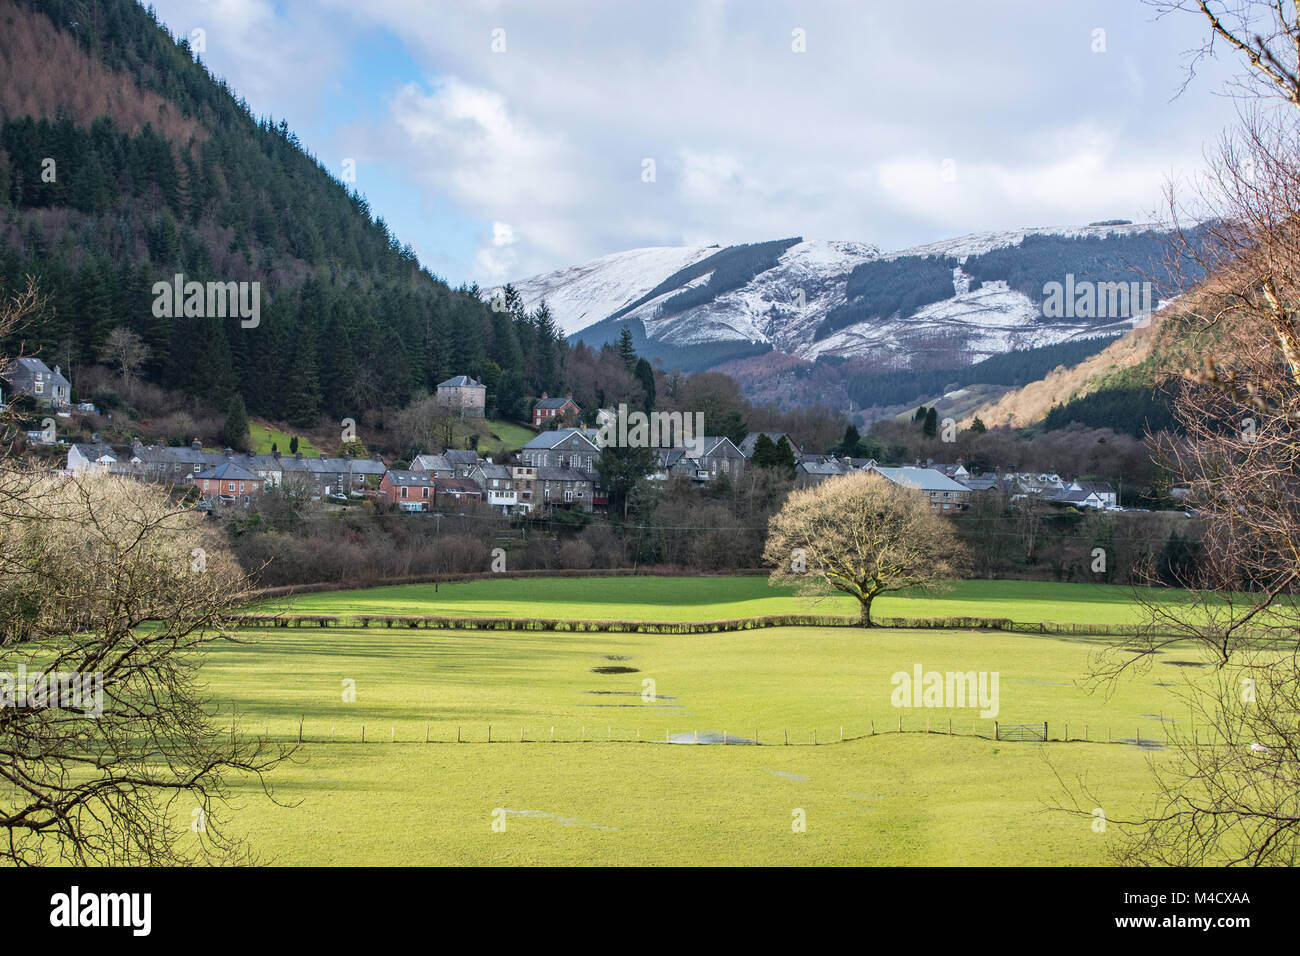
(446, 732)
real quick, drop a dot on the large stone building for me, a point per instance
(464, 396)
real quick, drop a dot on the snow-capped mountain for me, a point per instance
(965, 298)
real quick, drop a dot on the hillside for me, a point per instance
(123, 163)
(1140, 360)
(942, 304)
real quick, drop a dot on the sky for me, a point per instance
(503, 139)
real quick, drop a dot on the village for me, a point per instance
(556, 469)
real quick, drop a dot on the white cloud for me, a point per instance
(752, 141)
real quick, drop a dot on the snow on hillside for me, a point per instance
(978, 243)
(584, 294)
(785, 305)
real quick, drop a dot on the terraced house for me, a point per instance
(562, 448)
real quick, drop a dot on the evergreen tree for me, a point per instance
(234, 433)
(646, 376)
(931, 426)
(764, 451)
(850, 445)
(626, 350)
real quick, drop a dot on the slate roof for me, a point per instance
(461, 381)
(555, 402)
(228, 471)
(926, 479)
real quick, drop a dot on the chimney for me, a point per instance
(543, 396)
(230, 453)
(298, 456)
(276, 454)
(569, 396)
(196, 445)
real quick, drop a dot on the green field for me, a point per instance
(609, 789)
(503, 437)
(720, 598)
(261, 437)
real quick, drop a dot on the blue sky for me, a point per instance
(501, 139)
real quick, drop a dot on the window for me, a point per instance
(230, 486)
(39, 387)
(424, 492)
(403, 491)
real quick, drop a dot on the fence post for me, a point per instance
(841, 733)
(458, 733)
(426, 733)
(995, 731)
(787, 738)
(489, 733)
(873, 727)
(299, 730)
(363, 733)
(1044, 730)
(814, 736)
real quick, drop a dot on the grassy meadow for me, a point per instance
(596, 779)
(720, 598)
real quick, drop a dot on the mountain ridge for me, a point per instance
(952, 301)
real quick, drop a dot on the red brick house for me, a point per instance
(549, 408)
(229, 482)
(409, 490)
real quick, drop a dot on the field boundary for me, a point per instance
(446, 623)
(474, 733)
(648, 571)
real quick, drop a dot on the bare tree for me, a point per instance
(127, 352)
(109, 593)
(1230, 793)
(862, 535)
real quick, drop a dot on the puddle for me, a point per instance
(562, 821)
(627, 693)
(615, 669)
(793, 777)
(1145, 745)
(706, 737)
(1160, 717)
(1186, 663)
(617, 657)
